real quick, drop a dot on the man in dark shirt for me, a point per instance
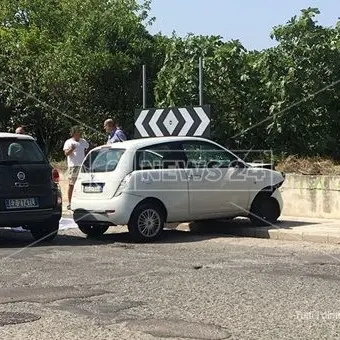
(114, 132)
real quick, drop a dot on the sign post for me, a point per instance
(200, 76)
(144, 87)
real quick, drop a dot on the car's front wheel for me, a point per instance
(147, 222)
(265, 211)
(45, 232)
(92, 230)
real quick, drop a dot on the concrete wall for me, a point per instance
(304, 196)
(311, 196)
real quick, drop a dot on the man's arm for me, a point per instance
(68, 152)
(121, 136)
(68, 149)
(86, 147)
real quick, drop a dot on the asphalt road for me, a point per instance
(186, 286)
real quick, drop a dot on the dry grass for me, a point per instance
(61, 166)
(291, 164)
(308, 166)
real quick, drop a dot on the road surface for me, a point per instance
(184, 287)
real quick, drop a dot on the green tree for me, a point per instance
(285, 98)
(82, 58)
(79, 61)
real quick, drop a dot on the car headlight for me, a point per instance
(124, 184)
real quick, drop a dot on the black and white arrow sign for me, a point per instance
(173, 121)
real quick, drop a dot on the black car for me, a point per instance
(30, 196)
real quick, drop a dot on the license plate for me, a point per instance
(21, 203)
(93, 188)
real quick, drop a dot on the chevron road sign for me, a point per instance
(173, 121)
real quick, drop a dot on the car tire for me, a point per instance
(264, 211)
(146, 223)
(45, 232)
(92, 230)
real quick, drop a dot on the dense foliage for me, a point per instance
(65, 62)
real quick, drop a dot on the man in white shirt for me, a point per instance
(74, 149)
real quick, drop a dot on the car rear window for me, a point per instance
(20, 151)
(102, 160)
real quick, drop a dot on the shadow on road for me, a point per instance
(195, 232)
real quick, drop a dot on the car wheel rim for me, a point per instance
(149, 223)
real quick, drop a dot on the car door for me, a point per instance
(161, 174)
(217, 184)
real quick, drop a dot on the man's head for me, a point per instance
(20, 130)
(76, 132)
(109, 125)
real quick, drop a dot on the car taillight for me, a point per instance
(55, 176)
(123, 185)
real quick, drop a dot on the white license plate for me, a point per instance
(93, 188)
(22, 203)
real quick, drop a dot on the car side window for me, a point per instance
(159, 156)
(206, 155)
(149, 159)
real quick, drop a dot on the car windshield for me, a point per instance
(102, 160)
(20, 151)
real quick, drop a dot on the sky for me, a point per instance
(250, 21)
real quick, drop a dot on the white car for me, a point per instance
(145, 183)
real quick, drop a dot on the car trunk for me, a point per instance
(36, 185)
(26, 176)
(98, 178)
(98, 186)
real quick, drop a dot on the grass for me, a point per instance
(308, 166)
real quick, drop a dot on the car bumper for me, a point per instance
(115, 211)
(28, 218)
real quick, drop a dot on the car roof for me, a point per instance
(145, 142)
(15, 135)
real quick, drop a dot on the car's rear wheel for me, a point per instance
(92, 230)
(147, 222)
(45, 232)
(265, 211)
